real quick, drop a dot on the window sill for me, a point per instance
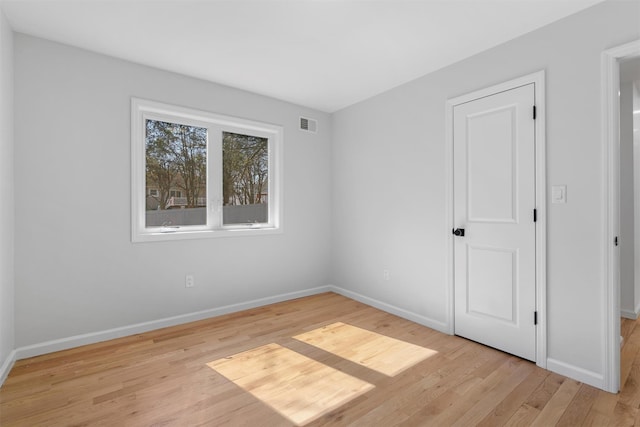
(161, 236)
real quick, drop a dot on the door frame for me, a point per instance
(538, 79)
(610, 84)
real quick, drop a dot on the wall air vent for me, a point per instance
(308, 125)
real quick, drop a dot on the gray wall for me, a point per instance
(390, 150)
(80, 273)
(6, 193)
(628, 297)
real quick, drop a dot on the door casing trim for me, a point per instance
(610, 82)
(538, 79)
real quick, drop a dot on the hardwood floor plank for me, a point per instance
(161, 378)
(623, 415)
(604, 405)
(595, 419)
(524, 416)
(545, 391)
(627, 328)
(462, 403)
(630, 394)
(577, 411)
(557, 405)
(298, 387)
(375, 351)
(627, 355)
(504, 410)
(413, 397)
(488, 402)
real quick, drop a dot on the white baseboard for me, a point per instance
(629, 314)
(6, 366)
(94, 337)
(578, 374)
(400, 312)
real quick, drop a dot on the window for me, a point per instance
(203, 174)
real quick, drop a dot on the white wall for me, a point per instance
(388, 152)
(6, 198)
(627, 231)
(81, 274)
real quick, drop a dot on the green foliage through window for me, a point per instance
(245, 163)
(197, 174)
(176, 157)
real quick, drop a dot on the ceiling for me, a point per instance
(323, 54)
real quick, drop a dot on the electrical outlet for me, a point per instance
(189, 281)
(386, 274)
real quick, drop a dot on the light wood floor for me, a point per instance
(162, 378)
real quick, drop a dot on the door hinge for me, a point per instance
(534, 112)
(535, 215)
(535, 317)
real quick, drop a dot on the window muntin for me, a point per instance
(198, 174)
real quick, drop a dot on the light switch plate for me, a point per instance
(559, 194)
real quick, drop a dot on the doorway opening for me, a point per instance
(612, 168)
(629, 167)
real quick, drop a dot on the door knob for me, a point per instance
(459, 232)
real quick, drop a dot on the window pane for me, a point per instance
(176, 170)
(245, 179)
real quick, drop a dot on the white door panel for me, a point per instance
(494, 198)
(500, 303)
(491, 174)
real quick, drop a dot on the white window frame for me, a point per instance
(142, 110)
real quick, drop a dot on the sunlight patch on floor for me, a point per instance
(383, 354)
(299, 388)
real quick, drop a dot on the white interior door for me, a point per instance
(494, 202)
